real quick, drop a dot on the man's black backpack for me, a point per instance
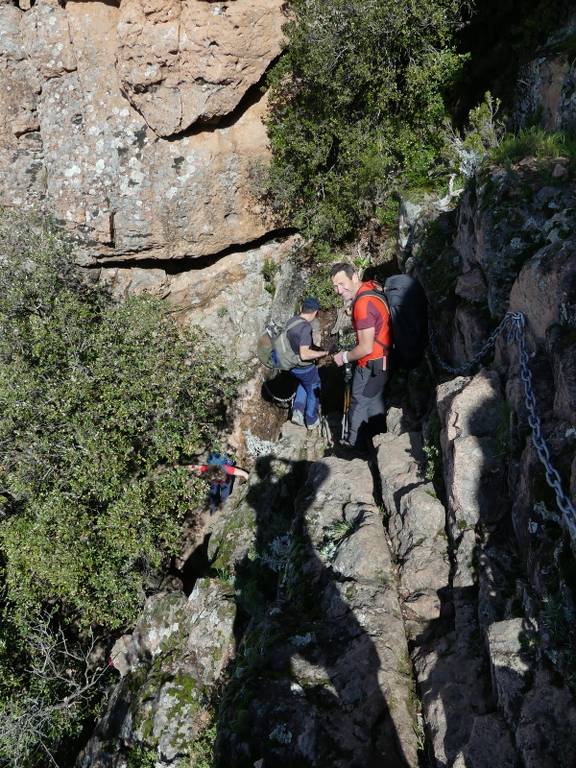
(408, 307)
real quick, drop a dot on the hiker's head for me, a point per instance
(345, 279)
(215, 474)
(310, 307)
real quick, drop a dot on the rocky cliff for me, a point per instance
(435, 626)
(140, 125)
(415, 612)
(495, 665)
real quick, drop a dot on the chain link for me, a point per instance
(503, 327)
(552, 476)
(512, 327)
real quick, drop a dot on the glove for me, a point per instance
(331, 347)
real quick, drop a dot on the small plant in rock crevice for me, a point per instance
(269, 271)
(337, 532)
(433, 450)
(483, 134)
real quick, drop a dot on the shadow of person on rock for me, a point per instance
(305, 688)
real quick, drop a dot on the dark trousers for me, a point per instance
(219, 492)
(367, 416)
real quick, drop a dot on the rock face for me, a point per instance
(324, 676)
(486, 660)
(232, 299)
(128, 122)
(77, 146)
(416, 525)
(184, 62)
(22, 168)
(546, 90)
(177, 651)
(300, 623)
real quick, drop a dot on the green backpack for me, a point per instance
(274, 350)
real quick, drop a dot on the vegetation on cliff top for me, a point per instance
(98, 401)
(357, 104)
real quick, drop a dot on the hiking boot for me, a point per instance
(315, 423)
(297, 418)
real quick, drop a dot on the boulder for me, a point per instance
(75, 144)
(508, 647)
(180, 63)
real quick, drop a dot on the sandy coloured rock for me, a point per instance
(73, 145)
(184, 62)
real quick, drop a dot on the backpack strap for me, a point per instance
(377, 295)
(294, 322)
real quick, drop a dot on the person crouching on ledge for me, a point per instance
(221, 480)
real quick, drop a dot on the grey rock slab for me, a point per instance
(508, 643)
(416, 523)
(400, 462)
(445, 394)
(368, 594)
(490, 745)
(365, 554)
(547, 724)
(474, 410)
(450, 682)
(465, 550)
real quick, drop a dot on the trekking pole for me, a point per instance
(347, 398)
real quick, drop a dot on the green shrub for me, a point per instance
(534, 142)
(464, 152)
(320, 286)
(357, 105)
(100, 403)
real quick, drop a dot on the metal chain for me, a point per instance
(552, 476)
(283, 402)
(502, 327)
(513, 327)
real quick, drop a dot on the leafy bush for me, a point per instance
(100, 402)
(464, 153)
(357, 105)
(320, 286)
